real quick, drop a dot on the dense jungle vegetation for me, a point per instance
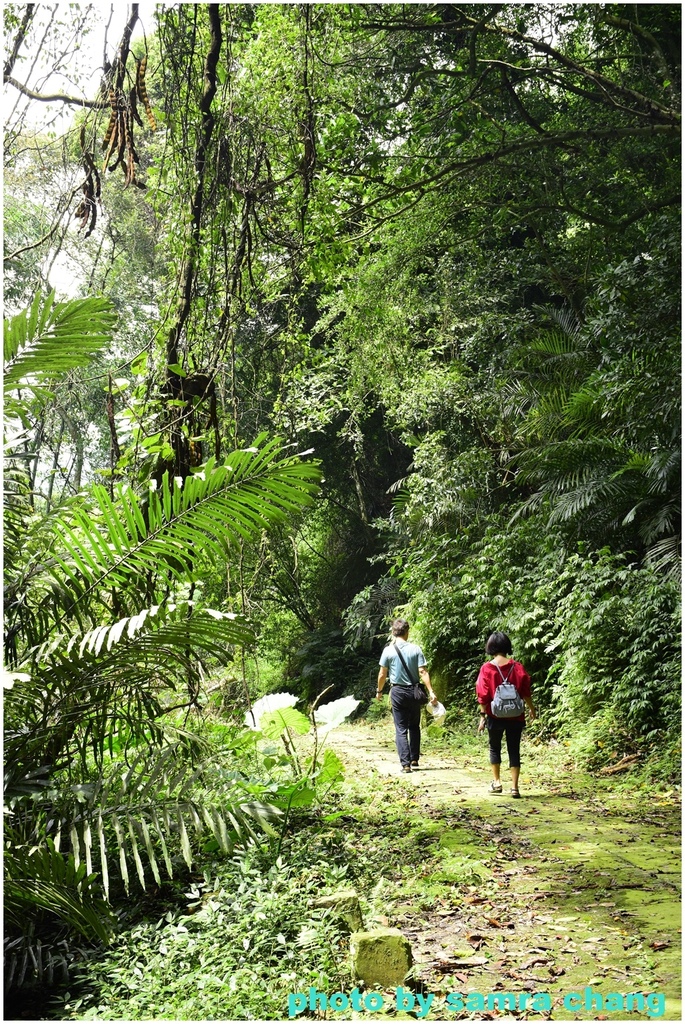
(316, 312)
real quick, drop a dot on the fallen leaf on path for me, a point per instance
(535, 962)
(499, 924)
(659, 945)
(466, 961)
(527, 977)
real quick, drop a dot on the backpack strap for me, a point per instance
(505, 679)
(414, 682)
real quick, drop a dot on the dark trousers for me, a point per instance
(406, 712)
(512, 729)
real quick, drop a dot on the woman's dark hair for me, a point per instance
(399, 627)
(498, 643)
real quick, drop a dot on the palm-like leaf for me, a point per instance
(131, 543)
(43, 961)
(89, 687)
(40, 878)
(580, 443)
(133, 825)
(51, 338)
(147, 815)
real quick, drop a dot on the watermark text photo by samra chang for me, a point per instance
(585, 1004)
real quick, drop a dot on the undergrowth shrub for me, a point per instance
(617, 665)
(248, 935)
(598, 634)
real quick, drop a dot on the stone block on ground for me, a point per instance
(345, 905)
(380, 957)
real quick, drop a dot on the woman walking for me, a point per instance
(503, 712)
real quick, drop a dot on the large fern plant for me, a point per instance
(598, 441)
(103, 644)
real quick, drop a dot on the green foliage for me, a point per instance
(51, 337)
(41, 877)
(273, 723)
(414, 240)
(323, 663)
(597, 633)
(616, 655)
(118, 542)
(248, 936)
(96, 684)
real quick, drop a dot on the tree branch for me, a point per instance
(638, 30)
(537, 143)
(655, 109)
(200, 158)
(60, 97)
(19, 39)
(34, 245)
(124, 46)
(474, 36)
(57, 97)
(528, 118)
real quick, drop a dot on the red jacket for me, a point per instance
(489, 679)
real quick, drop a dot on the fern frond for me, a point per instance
(41, 878)
(592, 493)
(665, 556)
(566, 318)
(132, 821)
(88, 688)
(555, 343)
(50, 338)
(122, 540)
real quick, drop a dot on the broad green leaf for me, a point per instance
(271, 702)
(273, 723)
(331, 769)
(58, 337)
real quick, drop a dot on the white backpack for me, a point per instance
(506, 703)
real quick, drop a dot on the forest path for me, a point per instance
(572, 887)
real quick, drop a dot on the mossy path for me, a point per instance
(576, 886)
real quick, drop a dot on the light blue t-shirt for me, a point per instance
(412, 654)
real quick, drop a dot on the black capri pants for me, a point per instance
(512, 729)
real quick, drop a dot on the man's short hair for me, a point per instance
(399, 627)
(498, 643)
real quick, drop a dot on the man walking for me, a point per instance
(405, 664)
